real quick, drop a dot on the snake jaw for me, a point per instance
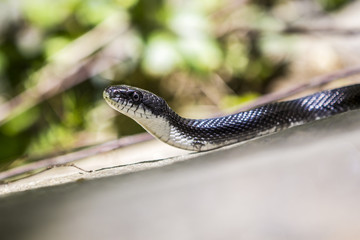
(147, 110)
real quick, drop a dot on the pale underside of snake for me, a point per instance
(154, 114)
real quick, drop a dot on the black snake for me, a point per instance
(153, 113)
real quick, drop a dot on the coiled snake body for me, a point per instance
(153, 113)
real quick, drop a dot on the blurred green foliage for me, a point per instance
(180, 44)
(333, 5)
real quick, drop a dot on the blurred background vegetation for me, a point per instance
(56, 57)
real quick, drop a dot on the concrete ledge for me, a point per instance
(302, 183)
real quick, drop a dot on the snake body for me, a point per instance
(154, 114)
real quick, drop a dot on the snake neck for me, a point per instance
(171, 128)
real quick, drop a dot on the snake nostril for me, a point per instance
(108, 90)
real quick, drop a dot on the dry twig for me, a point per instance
(72, 66)
(87, 152)
(315, 82)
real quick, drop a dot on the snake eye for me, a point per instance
(116, 92)
(113, 92)
(136, 96)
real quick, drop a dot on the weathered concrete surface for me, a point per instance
(128, 157)
(303, 183)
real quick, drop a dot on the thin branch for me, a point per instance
(300, 30)
(322, 30)
(315, 82)
(70, 157)
(35, 95)
(72, 66)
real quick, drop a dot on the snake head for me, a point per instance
(134, 102)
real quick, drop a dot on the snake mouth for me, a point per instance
(106, 94)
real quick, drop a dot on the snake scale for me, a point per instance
(154, 114)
